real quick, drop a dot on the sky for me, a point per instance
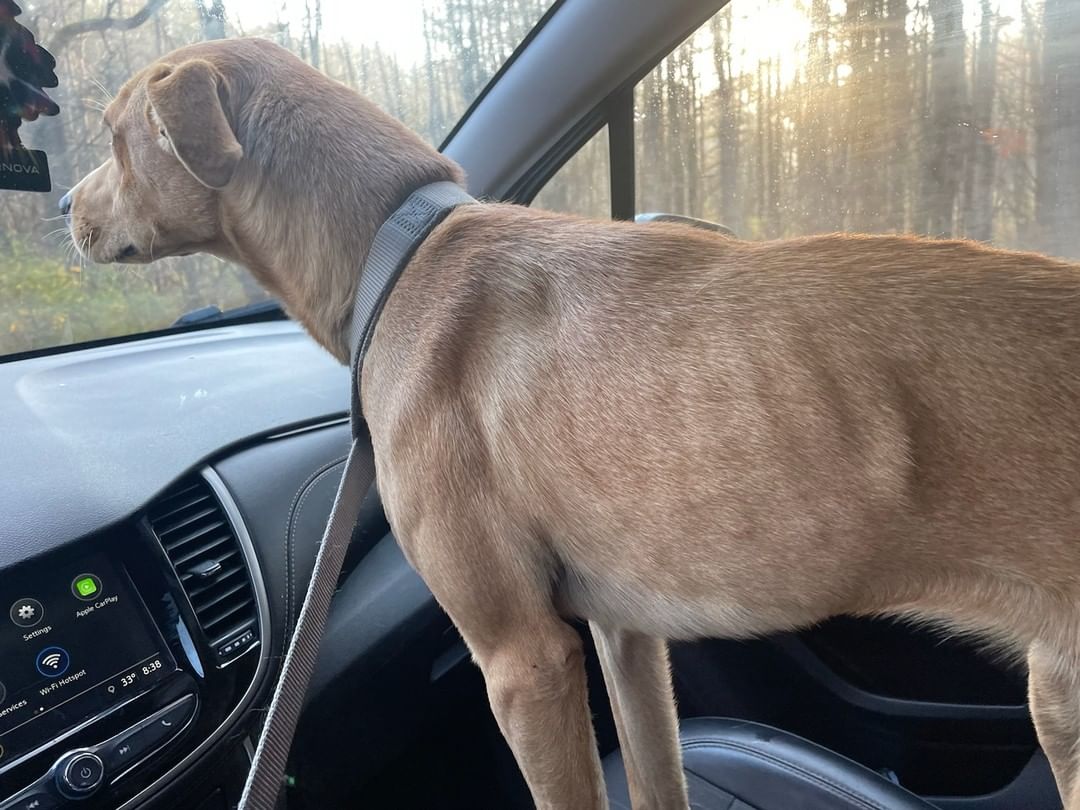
(397, 25)
(764, 30)
(776, 31)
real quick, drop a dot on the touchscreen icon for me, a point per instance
(86, 587)
(27, 612)
(53, 661)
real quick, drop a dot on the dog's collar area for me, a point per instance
(395, 243)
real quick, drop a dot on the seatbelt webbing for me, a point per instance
(394, 245)
(264, 780)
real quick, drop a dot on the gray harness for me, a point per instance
(393, 247)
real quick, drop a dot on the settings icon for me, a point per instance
(26, 612)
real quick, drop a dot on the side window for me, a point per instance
(422, 61)
(583, 184)
(952, 118)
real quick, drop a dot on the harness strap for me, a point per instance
(394, 244)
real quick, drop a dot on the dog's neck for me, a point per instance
(317, 182)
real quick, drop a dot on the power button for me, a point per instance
(79, 774)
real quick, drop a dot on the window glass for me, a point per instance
(583, 184)
(941, 117)
(423, 61)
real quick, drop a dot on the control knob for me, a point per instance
(79, 774)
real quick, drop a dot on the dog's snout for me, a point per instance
(65, 204)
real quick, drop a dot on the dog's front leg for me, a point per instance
(536, 686)
(638, 678)
(532, 661)
(1054, 700)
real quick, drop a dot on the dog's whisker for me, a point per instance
(84, 248)
(104, 90)
(53, 233)
(69, 252)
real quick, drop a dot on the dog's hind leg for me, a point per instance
(638, 678)
(1054, 700)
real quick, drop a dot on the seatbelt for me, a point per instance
(394, 244)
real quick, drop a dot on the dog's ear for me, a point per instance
(188, 104)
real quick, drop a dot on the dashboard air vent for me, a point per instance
(206, 555)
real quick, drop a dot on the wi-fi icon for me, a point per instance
(52, 660)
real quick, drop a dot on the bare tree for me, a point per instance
(943, 148)
(1057, 200)
(212, 17)
(106, 22)
(979, 196)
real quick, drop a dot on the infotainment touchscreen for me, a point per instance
(75, 641)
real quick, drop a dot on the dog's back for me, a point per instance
(716, 437)
(655, 428)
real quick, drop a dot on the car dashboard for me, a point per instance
(163, 503)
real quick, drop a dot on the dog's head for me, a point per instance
(174, 148)
(240, 149)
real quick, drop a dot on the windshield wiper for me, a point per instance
(269, 310)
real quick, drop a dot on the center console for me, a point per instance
(126, 656)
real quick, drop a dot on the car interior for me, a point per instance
(165, 490)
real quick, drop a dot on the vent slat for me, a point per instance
(206, 511)
(183, 560)
(213, 623)
(163, 508)
(205, 605)
(194, 535)
(194, 590)
(181, 505)
(194, 530)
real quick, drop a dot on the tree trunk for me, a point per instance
(728, 126)
(944, 146)
(899, 92)
(1057, 192)
(980, 203)
(212, 18)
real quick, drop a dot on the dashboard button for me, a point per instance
(27, 612)
(173, 718)
(79, 774)
(86, 587)
(52, 662)
(31, 801)
(236, 645)
(144, 738)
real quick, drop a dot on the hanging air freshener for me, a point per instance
(25, 70)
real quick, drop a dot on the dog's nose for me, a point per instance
(65, 204)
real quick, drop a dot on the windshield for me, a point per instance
(423, 61)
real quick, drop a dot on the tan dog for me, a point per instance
(666, 432)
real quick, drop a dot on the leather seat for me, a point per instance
(738, 765)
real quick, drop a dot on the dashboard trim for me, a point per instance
(65, 735)
(232, 512)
